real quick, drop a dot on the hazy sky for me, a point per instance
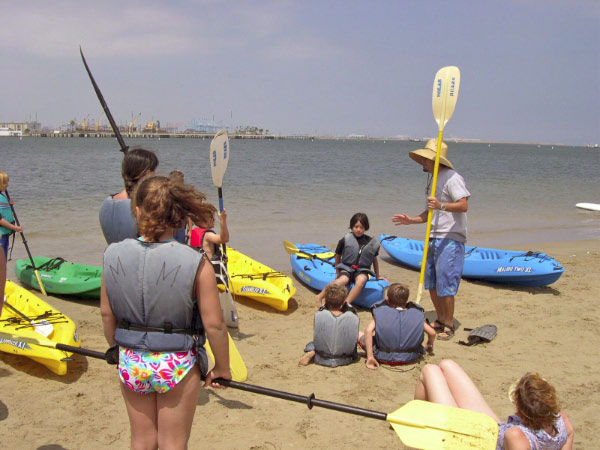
(530, 69)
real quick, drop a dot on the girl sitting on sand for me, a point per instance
(148, 308)
(354, 255)
(537, 424)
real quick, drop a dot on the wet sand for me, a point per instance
(551, 330)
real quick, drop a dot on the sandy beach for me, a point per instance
(551, 330)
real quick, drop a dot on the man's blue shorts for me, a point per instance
(445, 261)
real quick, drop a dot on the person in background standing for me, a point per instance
(446, 254)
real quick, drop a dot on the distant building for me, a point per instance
(205, 126)
(18, 128)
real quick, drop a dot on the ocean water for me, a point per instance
(306, 190)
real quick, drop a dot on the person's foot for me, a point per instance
(447, 332)
(306, 359)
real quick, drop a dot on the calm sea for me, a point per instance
(306, 191)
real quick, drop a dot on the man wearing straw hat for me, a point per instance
(445, 257)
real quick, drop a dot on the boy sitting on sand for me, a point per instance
(398, 325)
(336, 331)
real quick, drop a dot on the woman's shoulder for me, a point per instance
(516, 439)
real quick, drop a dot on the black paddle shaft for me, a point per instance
(309, 401)
(22, 234)
(109, 116)
(81, 351)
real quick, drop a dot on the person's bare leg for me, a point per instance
(432, 386)
(464, 391)
(143, 418)
(176, 410)
(342, 280)
(359, 284)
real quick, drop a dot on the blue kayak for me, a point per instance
(516, 268)
(314, 265)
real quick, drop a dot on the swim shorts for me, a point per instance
(146, 372)
(445, 261)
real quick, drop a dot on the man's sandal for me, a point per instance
(447, 333)
(437, 326)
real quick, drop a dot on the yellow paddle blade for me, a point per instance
(236, 363)
(427, 425)
(324, 255)
(39, 280)
(445, 94)
(290, 248)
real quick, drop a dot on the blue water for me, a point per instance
(306, 191)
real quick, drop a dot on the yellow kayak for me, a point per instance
(32, 317)
(259, 282)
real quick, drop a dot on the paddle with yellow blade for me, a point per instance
(291, 249)
(444, 97)
(37, 274)
(419, 424)
(237, 366)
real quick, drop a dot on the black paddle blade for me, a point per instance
(109, 116)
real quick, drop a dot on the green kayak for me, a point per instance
(61, 277)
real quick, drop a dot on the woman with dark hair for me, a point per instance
(538, 423)
(116, 220)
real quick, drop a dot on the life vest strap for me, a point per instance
(167, 329)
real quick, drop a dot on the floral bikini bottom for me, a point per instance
(146, 372)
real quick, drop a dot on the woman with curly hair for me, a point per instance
(538, 423)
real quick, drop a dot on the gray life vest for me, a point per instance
(335, 337)
(116, 220)
(398, 333)
(150, 288)
(355, 258)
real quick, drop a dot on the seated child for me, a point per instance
(210, 242)
(336, 331)
(355, 253)
(398, 325)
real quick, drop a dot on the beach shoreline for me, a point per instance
(550, 330)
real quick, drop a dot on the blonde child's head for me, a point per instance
(335, 295)
(3, 180)
(397, 295)
(165, 203)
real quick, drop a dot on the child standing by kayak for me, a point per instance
(355, 253)
(398, 328)
(204, 237)
(149, 309)
(7, 220)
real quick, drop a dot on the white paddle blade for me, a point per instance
(219, 157)
(445, 94)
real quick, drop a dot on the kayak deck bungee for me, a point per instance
(314, 265)
(515, 268)
(63, 329)
(61, 277)
(259, 282)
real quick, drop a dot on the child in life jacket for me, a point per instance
(335, 333)
(159, 303)
(398, 325)
(204, 237)
(355, 253)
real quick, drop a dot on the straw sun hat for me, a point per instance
(429, 153)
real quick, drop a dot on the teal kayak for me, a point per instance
(61, 277)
